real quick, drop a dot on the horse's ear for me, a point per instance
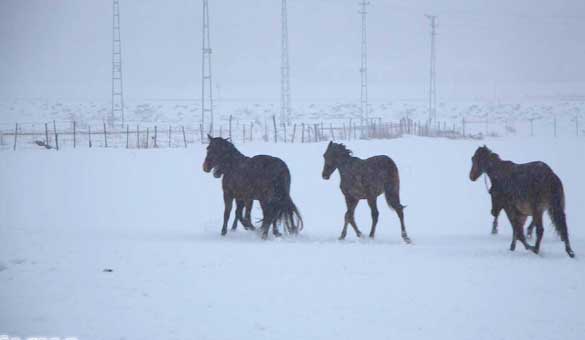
(330, 143)
(209, 137)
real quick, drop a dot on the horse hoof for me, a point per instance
(534, 250)
(359, 235)
(223, 232)
(495, 232)
(571, 253)
(277, 235)
(341, 238)
(372, 236)
(407, 240)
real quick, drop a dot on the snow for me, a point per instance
(153, 217)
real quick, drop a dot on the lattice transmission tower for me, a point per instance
(433, 70)
(285, 110)
(117, 83)
(206, 80)
(364, 63)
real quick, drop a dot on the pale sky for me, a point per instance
(62, 48)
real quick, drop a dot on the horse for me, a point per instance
(364, 179)
(262, 178)
(497, 208)
(524, 190)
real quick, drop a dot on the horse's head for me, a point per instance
(479, 162)
(333, 156)
(217, 150)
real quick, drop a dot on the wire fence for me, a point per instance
(73, 134)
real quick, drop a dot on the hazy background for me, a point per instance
(486, 48)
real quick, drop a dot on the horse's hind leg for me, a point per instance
(394, 202)
(268, 218)
(239, 207)
(495, 214)
(246, 222)
(228, 201)
(375, 214)
(537, 220)
(275, 231)
(517, 221)
(248, 205)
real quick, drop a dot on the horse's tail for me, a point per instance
(556, 210)
(392, 189)
(285, 209)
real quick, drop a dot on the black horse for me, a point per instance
(524, 190)
(364, 179)
(262, 178)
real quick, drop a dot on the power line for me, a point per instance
(117, 84)
(285, 110)
(433, 70)
(206, 80)
(364, 63)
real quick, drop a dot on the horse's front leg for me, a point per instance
(228, 201)
(349, 217)
(495, 214)
(517, 221)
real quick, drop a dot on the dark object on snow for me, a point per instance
(239, 206)
(263, 178)
(524, 190)
(364, 179)
(43, 144)
(107, 270)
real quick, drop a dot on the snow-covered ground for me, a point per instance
(153, 217)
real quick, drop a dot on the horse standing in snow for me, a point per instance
(263, 178)
(524, 190)
(364, 179)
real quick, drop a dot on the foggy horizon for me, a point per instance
(485, 49)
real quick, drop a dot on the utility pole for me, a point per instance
(364, 63)
(206, 80)
(117, 85)
(284, 69)
(433, 73)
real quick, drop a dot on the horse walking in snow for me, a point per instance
(364, 179)
(263, 178)
(524, 190)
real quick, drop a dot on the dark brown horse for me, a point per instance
(262, 178)
(524, 190)
(364, 179)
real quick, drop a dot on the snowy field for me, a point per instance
(153, 217)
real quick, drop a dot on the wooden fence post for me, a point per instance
(284, 131)
(201, 131)
(89, 134)
(184, 136)
(332, 134)
(463, 126)
(74, 135)
(303, 133)
(15, 136)
(147, 137)
(294, 133)
(155, 145)
(317, 135)
(137, 136)
(56, 138)
(127, 136)
(170, 135)
(251, 131)
(275, 129)
(47, 134)
(230, 127)
(105, 136)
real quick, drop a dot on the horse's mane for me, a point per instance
(342, 149)
(492, 156)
